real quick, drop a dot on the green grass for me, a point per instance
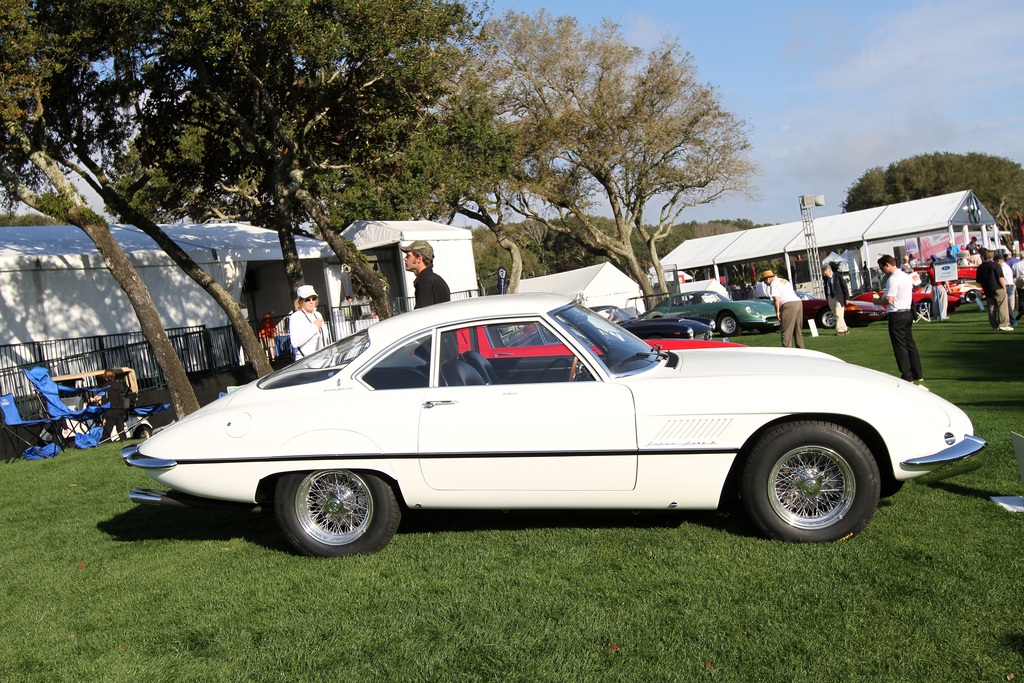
(96, 588)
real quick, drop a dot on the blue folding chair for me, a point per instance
(79, 421)
(12, 421)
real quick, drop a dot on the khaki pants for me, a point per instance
(839, 311)
(998, 313)
(792, 317)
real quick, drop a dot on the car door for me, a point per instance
(555, 432)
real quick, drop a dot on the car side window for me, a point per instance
(408, 367)
(507, 353)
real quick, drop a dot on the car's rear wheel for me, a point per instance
(727, 324)
(826, 319)
(971, 296)
(810, 482)
(332, 513)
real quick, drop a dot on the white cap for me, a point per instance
(305, 291)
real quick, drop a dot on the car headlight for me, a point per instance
(748, 310)
(689, 332)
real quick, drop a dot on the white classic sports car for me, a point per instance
(531, 401)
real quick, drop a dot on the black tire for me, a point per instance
(971, 296)
(142, 433)
(334, 513)
(826, 319)
(727, 324)
(810, 482)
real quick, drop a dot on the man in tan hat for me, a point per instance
(787, 307)
(430, 287)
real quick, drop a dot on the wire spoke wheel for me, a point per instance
(334, 507)
(331, 513)
(811, 487)
(810, 481)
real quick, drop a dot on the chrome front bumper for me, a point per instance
(131, 457)
(960, 458)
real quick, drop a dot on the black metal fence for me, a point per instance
(202, 351)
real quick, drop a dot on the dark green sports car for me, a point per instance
(731, 317)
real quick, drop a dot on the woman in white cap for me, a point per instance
(306, 324)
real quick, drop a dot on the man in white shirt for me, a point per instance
(899, 302)
(787, 307)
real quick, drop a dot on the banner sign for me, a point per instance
(502, 280)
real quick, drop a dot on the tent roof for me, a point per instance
(906, 218)
(372, 234)
(701, 251)
(219, 241)
(604, 277)
(760, 242)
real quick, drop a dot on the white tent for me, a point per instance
(599, 285)
(872, 231)
(453, 250)
(55, 285)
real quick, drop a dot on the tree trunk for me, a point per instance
(251, 345)
(182, 395)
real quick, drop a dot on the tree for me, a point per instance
(599, 120)
(52, 51)
(996, 181)
(297, 101)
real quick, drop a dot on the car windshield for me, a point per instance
(711, 298)
(318, 366)
(617, 349)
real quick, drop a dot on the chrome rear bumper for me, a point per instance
(960, 458)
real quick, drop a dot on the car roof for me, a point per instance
(474, 308)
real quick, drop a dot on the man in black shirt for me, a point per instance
(990, 277)
(430, 287)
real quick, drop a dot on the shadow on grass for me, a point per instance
(147, 523)
(965, 491)
(435, 521)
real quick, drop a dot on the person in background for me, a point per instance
(1011, 289)
(430, 287)
(787, 307)
(990, 277)
(306, 323)
(267, 335)
(899, 299)
(942, 296)
(114, 415)
(836, 293)
(1018, 283)
(973, 252)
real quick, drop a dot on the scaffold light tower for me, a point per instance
(813, 257)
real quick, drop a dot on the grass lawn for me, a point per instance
(95, 588)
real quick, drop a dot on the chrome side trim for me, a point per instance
(960, 458)
(131, 457)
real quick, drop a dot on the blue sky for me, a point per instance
(831, 89)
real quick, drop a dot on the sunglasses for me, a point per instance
(311, 298)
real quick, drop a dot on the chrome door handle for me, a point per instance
(431, 404)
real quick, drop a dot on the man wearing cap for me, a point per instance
(899, 300)
(430, 287)
(306, 325)
(787, 307)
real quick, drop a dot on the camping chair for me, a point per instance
(74, 422)
(923, 311)
(12, 421)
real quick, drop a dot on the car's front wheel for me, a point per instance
(810, 482)
(826, 319)
(332, 513)
(727, 324)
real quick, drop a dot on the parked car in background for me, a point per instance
(659, 328)
(410, 411)
(731, 317)
(922, 295)
(855, 313)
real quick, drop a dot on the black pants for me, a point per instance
(901, 334)
(111, 419)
